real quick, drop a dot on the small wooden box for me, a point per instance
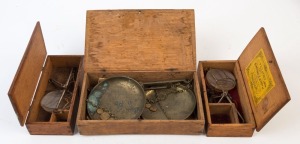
(147, 45)
(260, 87)
(35, 70)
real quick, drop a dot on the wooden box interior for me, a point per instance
(41, 122)
(260, 91)
(32, 82)
(227, 129)
(223, 113)
(193, 125)
(146, 45)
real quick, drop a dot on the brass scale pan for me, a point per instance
(125, 98)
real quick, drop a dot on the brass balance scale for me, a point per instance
(219, 82)
(124, 98)
(59, 100)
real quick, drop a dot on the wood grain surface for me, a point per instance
(229, 129)
(194, 125)
(278, 96)
(27, 76)
(140, 40)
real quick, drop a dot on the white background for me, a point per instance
(223, 29)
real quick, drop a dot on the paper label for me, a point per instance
(259, 77)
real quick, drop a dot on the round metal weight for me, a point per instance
(51, 99)
(173, 104)
(120, 97)
(220, 80)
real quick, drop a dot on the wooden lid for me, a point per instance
(140, 40)
(23, 86)
(264, 83)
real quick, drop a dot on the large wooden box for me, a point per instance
(260, 87)
(147, 45)
(31, 83)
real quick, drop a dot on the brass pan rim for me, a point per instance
(132, 81)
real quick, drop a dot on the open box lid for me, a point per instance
(23, 86)
(140, 40)
(264, 83)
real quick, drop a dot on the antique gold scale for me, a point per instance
(123, 97)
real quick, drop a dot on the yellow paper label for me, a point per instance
(259, 77)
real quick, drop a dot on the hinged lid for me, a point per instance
(23, 86)
(264, 83)
(140, 40)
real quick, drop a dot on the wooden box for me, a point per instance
(146, 45)
(260, 88)
(31, 83)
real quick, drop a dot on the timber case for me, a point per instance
(146, 45)
(32, 82)
(259, 94)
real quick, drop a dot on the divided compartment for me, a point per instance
(62, 122)
(222, 113)
(260, 88)
(193, 125)
(148, 46)
(31, 84)
(235, 127)
(61, 74)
